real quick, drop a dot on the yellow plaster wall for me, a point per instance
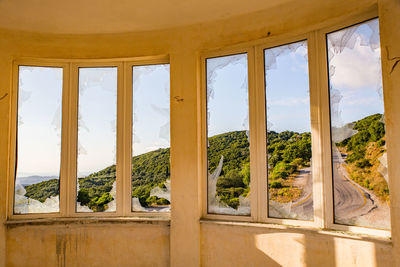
(106, 244)
(389, 13)
(281, 246)
(184, 242)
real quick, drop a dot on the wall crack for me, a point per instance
(395, 59)
(4, 96)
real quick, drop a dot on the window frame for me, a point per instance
(257, 125)
(13, 126)
(128, 69)
(320, 126)
(202, 144)
(326, 112)
(262, 113)
(69, 135)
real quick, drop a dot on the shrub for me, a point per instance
(104, 199)
(83, 197)
(364, 163)
(275, 184)
(357, 154)
(381, 143)
(163, 201)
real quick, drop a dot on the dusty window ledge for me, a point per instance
(87, 220)
(302, 229)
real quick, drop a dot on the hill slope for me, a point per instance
(288, 152)
(363, 152)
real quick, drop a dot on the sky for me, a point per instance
(97, 110)
(151, 114)
(356, 78)
(39, 115)
(287, 93)
(227, 101)
(39, 142)
(287, 88)
(355, 74)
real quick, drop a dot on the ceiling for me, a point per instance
(117, 16)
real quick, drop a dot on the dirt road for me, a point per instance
(354, 205)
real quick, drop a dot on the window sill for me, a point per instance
(87, 221)
(302, 229)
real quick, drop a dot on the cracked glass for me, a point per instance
(228, 152)
(290, 181)
(151, 138)
(360, 180)
(97, 117)
(38, 140)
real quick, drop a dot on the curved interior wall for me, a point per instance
(185, 241)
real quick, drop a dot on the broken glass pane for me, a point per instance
(361, 193)
(38, 140)
(97, 114)
(151, 139)
(290, 180)
(228, 150)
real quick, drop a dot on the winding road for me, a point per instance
(352, 201)
(302, 208)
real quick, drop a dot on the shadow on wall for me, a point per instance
(244, 244)
(231, 246)
(314, 249)
(286, 246)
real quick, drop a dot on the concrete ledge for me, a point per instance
(87, 220)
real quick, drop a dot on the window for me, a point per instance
(228, 150)
(275, 113)
(360, 180)
(37, 186)
(97, 124)
(292, 131)
(91, 172)
(290, 182)
(151, 139)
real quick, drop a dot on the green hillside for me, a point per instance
(149, 170)
(235, 175)
(288, 153)
(43, 190)
(288, 150)
(363, 151)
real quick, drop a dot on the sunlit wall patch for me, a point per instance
(38, 140)
(360, 180)
(228, 150)
(290, 180)
(151, 172)
(97, 118)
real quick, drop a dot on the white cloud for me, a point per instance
(357, 68)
